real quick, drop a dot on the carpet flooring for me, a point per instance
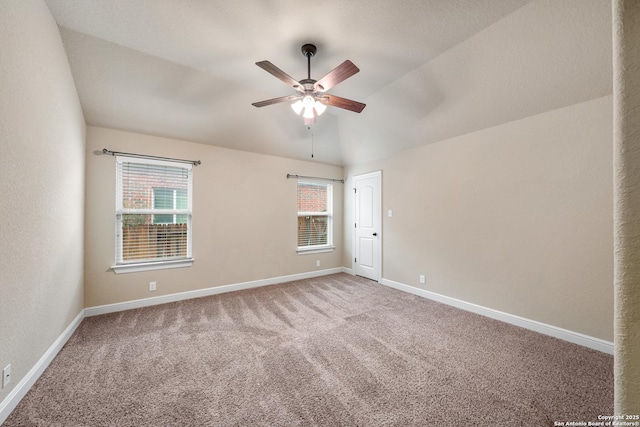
(336, 350)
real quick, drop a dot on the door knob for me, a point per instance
(375, 234)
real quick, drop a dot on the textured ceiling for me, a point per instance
(430, 69)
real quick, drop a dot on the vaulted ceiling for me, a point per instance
(429, 69)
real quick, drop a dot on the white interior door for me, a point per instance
(367, 236)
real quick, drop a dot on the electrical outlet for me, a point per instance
(6, 375)
(152, 286)
(423, 279)
(318, 263)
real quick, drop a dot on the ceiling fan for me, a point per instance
(311, 97)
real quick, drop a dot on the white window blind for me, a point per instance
(153, 211)
(315, 215)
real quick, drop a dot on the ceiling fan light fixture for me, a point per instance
(308, 101)
(309, 113)
(297, 107)
(320, 107)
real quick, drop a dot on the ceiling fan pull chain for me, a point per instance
(311, 141)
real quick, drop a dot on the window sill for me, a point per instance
(148, 266)
(315, 250)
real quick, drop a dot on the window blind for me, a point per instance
(153, 210)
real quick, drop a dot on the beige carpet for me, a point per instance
(335, 350)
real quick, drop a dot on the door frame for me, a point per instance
(378, 242)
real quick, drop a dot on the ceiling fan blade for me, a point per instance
(276, 100)
(277, 72)
(347, 104)
(335, 76)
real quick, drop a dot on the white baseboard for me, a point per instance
(533, 325)
(20, 390)
(348, 270)
(163, 299)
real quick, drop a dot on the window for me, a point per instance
(153, 214)
(315, 217)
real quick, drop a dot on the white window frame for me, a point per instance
(328, 247)
(133, 267)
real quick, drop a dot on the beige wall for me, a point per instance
(233, 241)
(517, 217)
(41, 190)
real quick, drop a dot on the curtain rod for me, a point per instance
(144, 156)
(289, 176)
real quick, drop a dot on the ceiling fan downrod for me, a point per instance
(309, 50)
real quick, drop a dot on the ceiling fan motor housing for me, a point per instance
(308, 84)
